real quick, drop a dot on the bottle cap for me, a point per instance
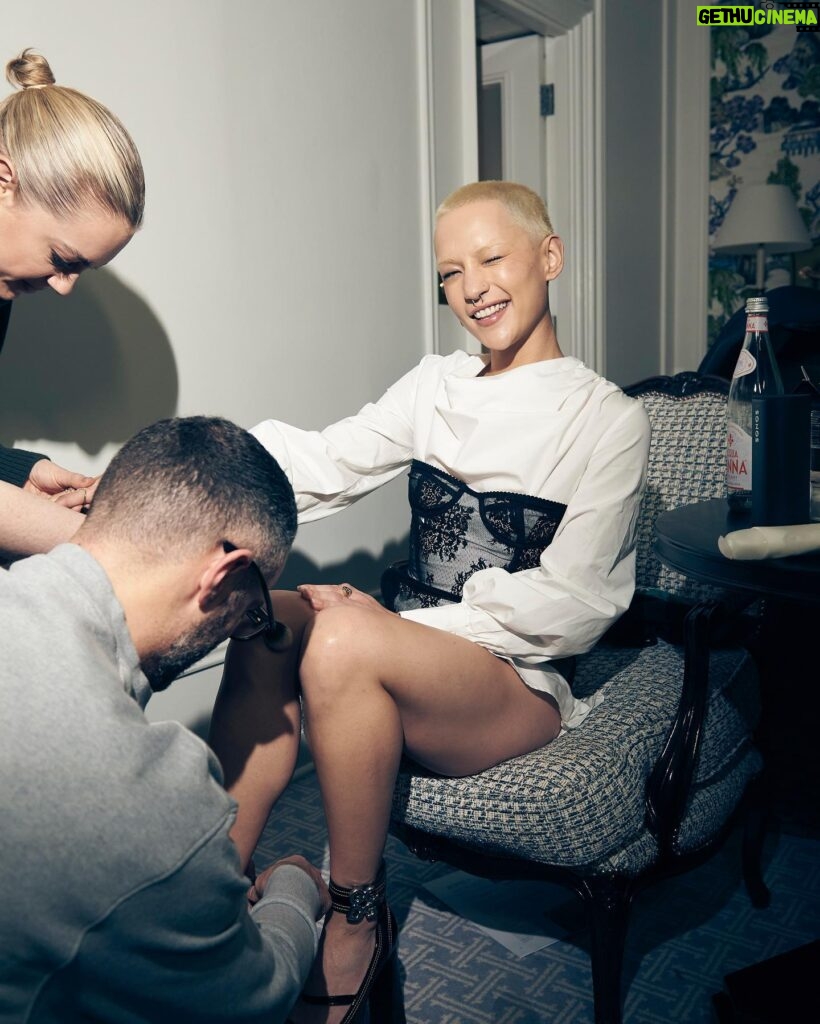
(757, 304)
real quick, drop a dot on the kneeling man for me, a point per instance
(121, 894)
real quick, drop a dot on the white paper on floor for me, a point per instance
(515, 913)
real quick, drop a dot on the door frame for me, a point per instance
(449, 150)
(685, 188)
(580, 141)
(577, 184)
(448, 137)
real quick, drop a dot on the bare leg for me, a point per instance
(373, 684)
(256, 723)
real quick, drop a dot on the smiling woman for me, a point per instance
(497, 251)
(526, 470)
(72, 194)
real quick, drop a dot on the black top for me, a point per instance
(456, 531)
(5, 313)
(15, 464)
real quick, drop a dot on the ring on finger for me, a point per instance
(346, 590)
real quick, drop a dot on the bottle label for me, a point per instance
(746, 363)
(757, 323)
(738, 459)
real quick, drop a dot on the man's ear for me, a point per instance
(552, 255)
(217, 580)
(8, 176)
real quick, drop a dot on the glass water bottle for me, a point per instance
(756, 374)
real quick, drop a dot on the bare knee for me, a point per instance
(337, 651)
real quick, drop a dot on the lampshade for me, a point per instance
(761, 219)
(764, 215)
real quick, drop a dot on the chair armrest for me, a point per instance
(655, 615)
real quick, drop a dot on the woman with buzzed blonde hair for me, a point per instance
(72, 194)
(525, 474)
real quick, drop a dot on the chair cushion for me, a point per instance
(580, 801)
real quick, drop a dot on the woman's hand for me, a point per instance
(325, 595)
(72, 490)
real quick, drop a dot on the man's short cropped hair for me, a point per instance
(526, 207)
(183, 484)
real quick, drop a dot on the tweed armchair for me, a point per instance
(651, 780)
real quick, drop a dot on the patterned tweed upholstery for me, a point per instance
(686, 464)
(581, 801)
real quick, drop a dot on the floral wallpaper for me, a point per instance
(764, 127)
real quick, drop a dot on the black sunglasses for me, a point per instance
(260, 619)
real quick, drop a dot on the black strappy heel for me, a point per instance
(377, 988)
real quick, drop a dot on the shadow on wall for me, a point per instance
(361, 569)
(92, 368)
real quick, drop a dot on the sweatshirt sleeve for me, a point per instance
(586, 577)
(332, 468)
(186, 948)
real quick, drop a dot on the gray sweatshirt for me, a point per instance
(121, 896)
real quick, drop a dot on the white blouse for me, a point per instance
(553, 430)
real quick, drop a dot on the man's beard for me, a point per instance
(163, 667)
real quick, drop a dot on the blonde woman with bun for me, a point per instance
(72, 194)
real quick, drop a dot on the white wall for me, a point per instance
(281, 270)
(633, 156)
(655, 86)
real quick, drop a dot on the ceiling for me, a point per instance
(497, 20)
(493, 25)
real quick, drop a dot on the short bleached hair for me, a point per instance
(526, 207)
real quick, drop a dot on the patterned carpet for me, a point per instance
(685, 934)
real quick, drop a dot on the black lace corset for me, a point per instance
(455, 531)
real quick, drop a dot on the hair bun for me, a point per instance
(29, 71)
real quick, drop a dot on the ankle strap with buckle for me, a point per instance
(360, 901)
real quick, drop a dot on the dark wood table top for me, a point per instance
(686, 540)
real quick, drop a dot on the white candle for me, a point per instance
(770, 541)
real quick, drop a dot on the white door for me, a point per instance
(511, 129)
(513, 132)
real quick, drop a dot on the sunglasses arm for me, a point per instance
(280, 637)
